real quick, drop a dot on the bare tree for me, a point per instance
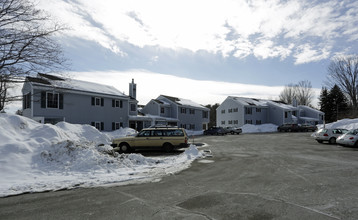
(288, 94)
(301, 92)
(26, 46)
(343, 71)
(304, 93)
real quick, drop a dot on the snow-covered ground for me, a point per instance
(38, 157)
(344, 123)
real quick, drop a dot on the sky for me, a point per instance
(227, 47)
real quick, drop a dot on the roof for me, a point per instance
(310, 109)
(261, 102)
(161, 102)
(72, 84)
(249, 101)
(283, 105)
(182, 102)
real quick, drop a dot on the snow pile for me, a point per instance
(344, 123)
(38, 157)
(264, 128)
(122, 132)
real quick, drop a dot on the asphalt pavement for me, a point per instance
(249, 176)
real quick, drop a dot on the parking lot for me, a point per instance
(249, 176)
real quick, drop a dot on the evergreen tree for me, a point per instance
(338, 103)
(333, 103)
(324, 103)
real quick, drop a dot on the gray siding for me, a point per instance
(152, 108)
(192, 117)
(224, 115)
(78, 109)
(258, 115)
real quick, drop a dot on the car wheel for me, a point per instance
(232, 132)
(332, 140)
(168, 147)
(320, 142)
(356, 144)
(125, 148)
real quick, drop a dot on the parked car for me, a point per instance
(233, 130)
(288, 127)
(215, 131)
(349, 139)
(308, 127)
(330, 135)
(166, 138)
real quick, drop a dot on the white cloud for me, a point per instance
(264, 29)
(306, 54)
(151, 85)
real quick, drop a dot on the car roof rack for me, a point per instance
(163, 126)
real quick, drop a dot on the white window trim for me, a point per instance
(95, 101)
(58, 100)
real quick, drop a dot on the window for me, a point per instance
(248, 111)
(205, 114)
(222, 122)
(52, 100)
(117, 103)
(248, 121)
(183, 126)
(116, 125)
(144, 134)
(230, 122)
(229, 110)
(133, 107)
(98, 125)
(27, 100)
(258, 122)
(162, 110)
(192, 126)
(192, 111)
(236, 122)
(183, 110)
(258, 109)
(235, 109)
(223, 111)
(96, 101)
(286, 114)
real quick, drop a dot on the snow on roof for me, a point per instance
(250, 101)
(311, 109)
(261, 102)
(283, 106)
(73, 84)
(181, 101)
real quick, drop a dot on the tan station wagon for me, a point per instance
(166, 138)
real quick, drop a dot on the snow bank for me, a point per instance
(38, 157)
(344, 123)
(264, 128)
